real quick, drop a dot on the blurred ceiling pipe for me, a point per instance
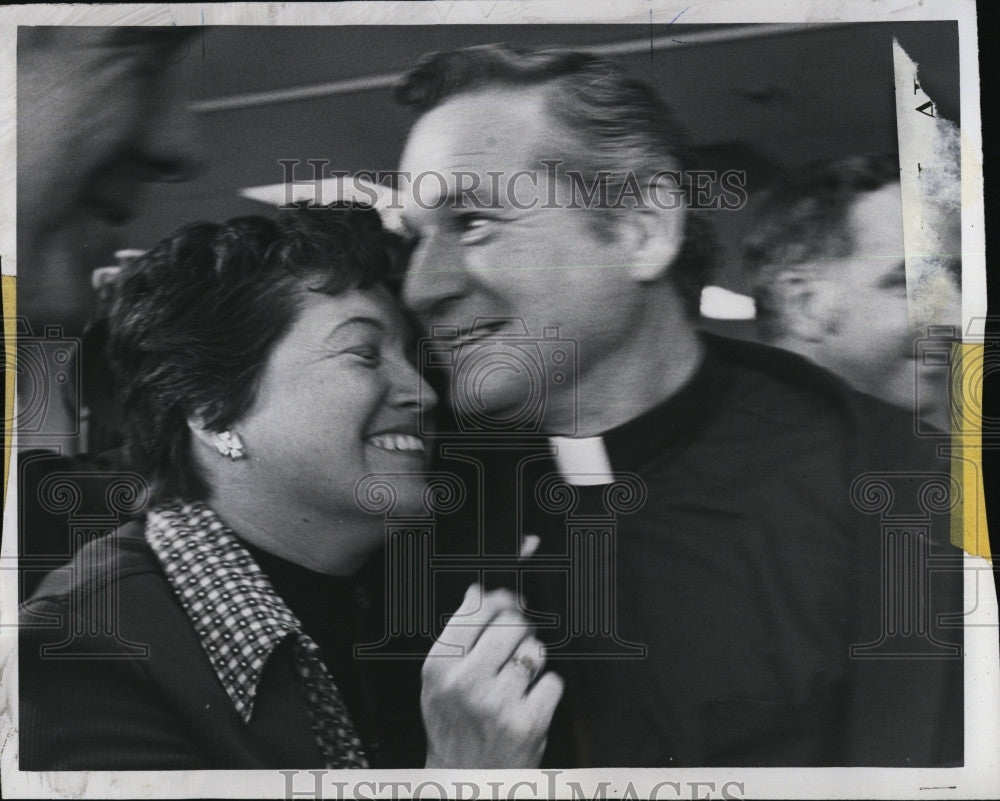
(388, 80)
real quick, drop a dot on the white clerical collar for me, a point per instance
(582, 461)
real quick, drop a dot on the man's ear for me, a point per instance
(805, 303)
(655, 235)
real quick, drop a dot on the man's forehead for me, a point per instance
(876, 222)
(491, 128)
(877, 227)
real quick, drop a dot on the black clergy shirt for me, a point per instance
(746, 575)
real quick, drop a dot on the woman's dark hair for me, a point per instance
(196, 317)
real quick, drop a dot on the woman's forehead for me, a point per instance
(375, 305)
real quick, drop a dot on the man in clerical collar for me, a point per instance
(557, 268)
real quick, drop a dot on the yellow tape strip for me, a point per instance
(968, 521)
(8, 290)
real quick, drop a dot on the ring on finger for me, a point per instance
(525, 663)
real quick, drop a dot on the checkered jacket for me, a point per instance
(240, 620)
(177, 655)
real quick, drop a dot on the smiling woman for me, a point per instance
(264, 372)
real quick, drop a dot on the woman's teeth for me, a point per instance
(397, 442)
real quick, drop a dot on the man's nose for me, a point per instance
(436, 275)
(172, 149)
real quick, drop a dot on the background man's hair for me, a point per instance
(614, 124)
(196, 318)
(805, 215)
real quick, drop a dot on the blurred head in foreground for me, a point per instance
(100, 111)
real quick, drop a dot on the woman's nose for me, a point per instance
(413, 391)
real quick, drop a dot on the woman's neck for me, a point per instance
(315, 542)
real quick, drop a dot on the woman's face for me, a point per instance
(338, 399)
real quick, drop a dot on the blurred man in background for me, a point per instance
(831, 284)
(100, 112)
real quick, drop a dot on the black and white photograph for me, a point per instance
(495, 400)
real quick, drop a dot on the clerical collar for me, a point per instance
(587, 461)
(582, 461)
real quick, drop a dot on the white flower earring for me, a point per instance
(229, 444)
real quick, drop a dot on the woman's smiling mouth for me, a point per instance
(392, 441)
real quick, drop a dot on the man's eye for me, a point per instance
(895, 283)
(474, 228)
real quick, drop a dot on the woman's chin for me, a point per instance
(411, 493)
(394, 493)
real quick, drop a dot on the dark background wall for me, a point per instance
(751, 99)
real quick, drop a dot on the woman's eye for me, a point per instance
(370, 357)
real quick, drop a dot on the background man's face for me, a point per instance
(546, 266)
(871, 336)
(100, 110)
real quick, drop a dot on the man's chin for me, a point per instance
(54, 279)
(61, 306)
(924, 396)
(496, 418)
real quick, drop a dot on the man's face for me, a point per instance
(100, 110)
(512, 257)
(870, 331)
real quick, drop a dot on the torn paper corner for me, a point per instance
(930, 183)
(929, 144)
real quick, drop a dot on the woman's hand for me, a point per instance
(481, 704)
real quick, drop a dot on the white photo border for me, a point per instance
(981, 773)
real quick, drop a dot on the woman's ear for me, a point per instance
(197, 427)
(227, 443)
